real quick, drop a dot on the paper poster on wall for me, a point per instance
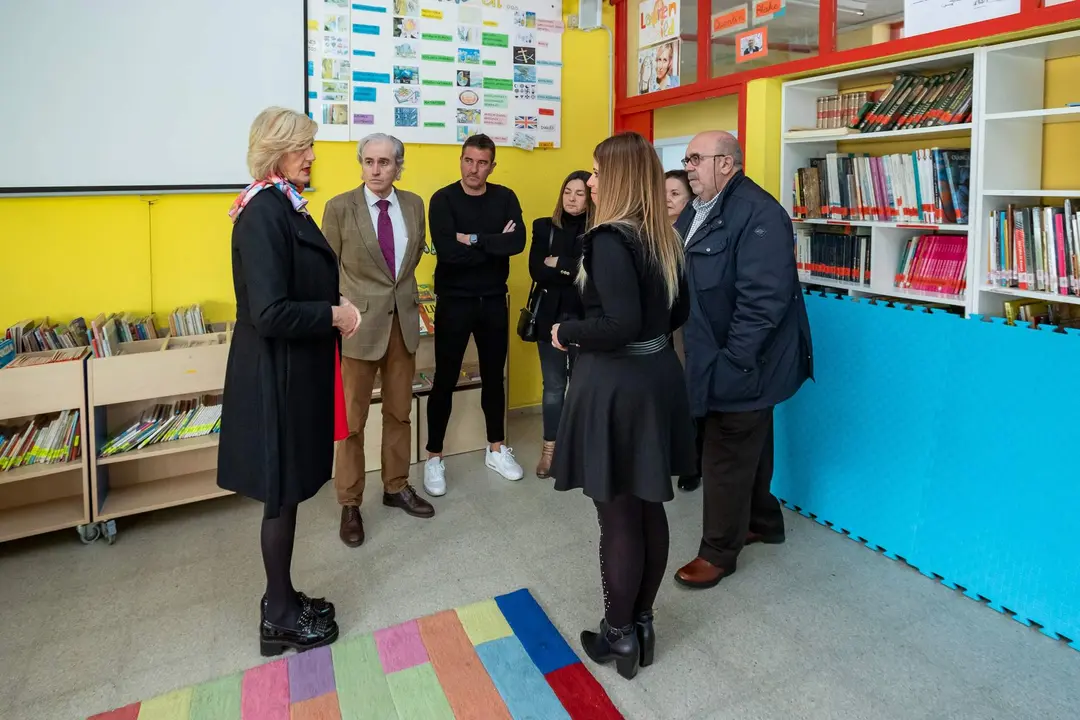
(658, 20)
(659, 45)
(328, 67)
(766, 10)
(752, 44)
(730, 21)
(923, 16)
(430, 71)
(658, 67)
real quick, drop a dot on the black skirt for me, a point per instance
(625, 427)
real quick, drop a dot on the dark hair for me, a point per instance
(583, 176)
(480, 141)
(682, 177)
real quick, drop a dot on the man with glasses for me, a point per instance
(747, 346)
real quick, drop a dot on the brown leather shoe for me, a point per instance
(699, 574)
(352, 526)
(410, 502)
(543, 468)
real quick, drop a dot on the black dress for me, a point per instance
(626, 425)
(277, 416)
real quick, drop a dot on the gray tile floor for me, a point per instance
(817, 628)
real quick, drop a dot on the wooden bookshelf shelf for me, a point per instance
(933, 134)
(37, 518)
(1031, 294)
(925, 227)
(29, 472)
(162, 448)
(160, 494)
(1049, 116)
(44, 497)
(1016, 193)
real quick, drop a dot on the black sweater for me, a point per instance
(624, 297)
(561, 298)
(479, 270)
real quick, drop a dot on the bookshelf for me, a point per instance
(858, 247)
(44, 497)
(120, 389)
(1017, 119)
(1022, 112)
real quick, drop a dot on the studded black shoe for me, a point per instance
(319, 606)
(646, 636)
(618, 644)
(311, 631)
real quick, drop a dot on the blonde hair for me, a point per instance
(631, 198)
(275, 132)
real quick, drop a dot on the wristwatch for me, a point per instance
(472, 239)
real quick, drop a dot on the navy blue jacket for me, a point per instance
(747, 340)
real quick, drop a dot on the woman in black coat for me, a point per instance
(554, 257)
(277, 424)
(626, 428)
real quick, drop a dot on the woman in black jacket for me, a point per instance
(277, 423)
(627, 428)
(553, 263)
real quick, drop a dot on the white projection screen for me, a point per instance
(141, 95)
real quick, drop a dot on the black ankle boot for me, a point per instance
(646, 636)
(618, 644)
(311, 631)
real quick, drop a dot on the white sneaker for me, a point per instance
(435, 477)
(503, 462)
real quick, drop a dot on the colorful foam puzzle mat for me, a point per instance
(499, 659)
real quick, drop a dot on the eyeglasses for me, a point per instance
(695, 159)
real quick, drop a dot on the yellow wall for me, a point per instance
(66, 257)
(762, 161)
(720, 113)
(1061, 171)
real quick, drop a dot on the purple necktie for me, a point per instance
(385, 231)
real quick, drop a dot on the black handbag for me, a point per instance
(526, 327)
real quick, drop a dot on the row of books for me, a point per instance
(1035, 248)
(833, 254)
(842, 110)
(1037, 312)
(45, 439)
(911, 101)
(934, 264)
(104, 333)
(927, 186)
(426, 295)
(166, 422)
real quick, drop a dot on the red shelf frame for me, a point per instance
(635, 113)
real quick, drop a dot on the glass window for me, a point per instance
(742, 40)
(868, 23)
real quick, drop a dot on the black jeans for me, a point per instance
(556, 367)
(737, 467)
(455, 320)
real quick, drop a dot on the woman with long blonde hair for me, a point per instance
(626, 426)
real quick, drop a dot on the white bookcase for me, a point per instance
(1006, 137)
(1014, 116)
(887, 239)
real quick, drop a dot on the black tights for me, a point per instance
(633, 556)
(278, 534)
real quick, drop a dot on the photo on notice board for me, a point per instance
(752, 44)
(658, 67)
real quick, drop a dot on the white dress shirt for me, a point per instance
(397, 220)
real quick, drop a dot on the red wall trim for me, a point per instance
(704, 49)
(1031, 16)
(640, 122)
(742, 118)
